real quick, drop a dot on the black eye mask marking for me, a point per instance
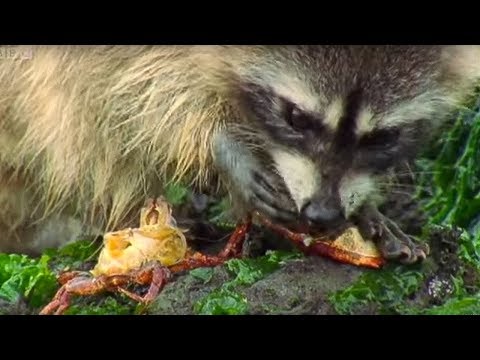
(345, 133)
(382, 138)
(379, 149)
(301, 121)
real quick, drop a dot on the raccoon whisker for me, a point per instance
(399, 184)
(411, 191)
(417, 173)
(410, 171)
(408, 186)
(392, 191)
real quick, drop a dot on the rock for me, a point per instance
(299, 287)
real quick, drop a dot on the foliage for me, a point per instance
(23, 277)
(456, 176)
(386, 290)
(204, 274)
(176, 194)
(109, 305)
(467, 305)
(222, 301)
(72, 256)
(226, 300)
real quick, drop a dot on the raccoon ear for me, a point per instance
(461, 65)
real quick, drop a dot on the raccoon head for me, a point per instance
(335, 119)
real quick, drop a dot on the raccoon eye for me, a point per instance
(385, 138)
(296, 118)
(379, 149)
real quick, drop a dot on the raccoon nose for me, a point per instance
(322, 215)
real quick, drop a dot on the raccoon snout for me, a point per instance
(322, 214)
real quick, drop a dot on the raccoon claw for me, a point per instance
(421, 252)
(416, 257)
(393, 243)
(391, 248)
(403, 250)
(274, 213)
(267, 198)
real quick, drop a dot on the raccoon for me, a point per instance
(300, 133)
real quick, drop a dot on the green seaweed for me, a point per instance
(204, 274)
(24, 277)
(34, 279)
(73, 255)
(106, 306)
(219, 214)
(176, 194)
(468, 305)
(249, 271)
(226, 300)
(386, 290)
(456, 180)
(456, 176)
(222, 301)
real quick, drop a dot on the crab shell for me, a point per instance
(129, 249)
(351, 248)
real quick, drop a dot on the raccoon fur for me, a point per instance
(301, 132)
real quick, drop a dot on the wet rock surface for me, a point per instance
(299, 287)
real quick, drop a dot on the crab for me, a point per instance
(157, 239)
(147, 255)
(139, 255)
(150, 254)
(77, 283)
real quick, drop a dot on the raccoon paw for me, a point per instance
(260, 188)
(266, 195)
(393, 243)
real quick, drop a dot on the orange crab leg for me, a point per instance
(232, 249)
(198, 260)
(69, 275)
(131, 295)
(59, 302)
(321, 248)
(235, 243)
(159, 277)
(299, 239)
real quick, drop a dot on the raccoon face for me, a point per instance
(338, 118)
